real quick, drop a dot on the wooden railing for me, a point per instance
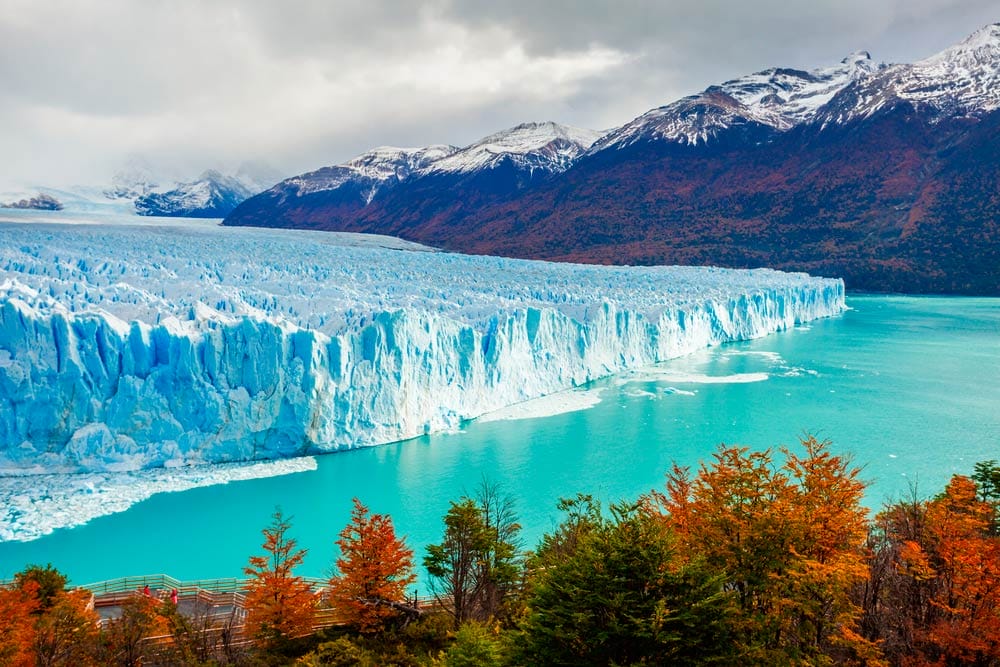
(161, 582)
(223, 615)
(228, 596)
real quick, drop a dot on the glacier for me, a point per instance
(169, 343)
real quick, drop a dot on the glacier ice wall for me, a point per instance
(133, 347)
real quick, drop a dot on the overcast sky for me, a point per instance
(87, 85)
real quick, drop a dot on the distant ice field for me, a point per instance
(149, 269)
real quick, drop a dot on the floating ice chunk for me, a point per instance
(546, 406)
(681, 377)
(38, 504)
(767, 355)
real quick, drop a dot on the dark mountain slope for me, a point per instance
(893, 203)
(886, 175)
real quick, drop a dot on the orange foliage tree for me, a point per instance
(67, 633)
(18, 605)
(375, 568)
(937, 568)
(787, 541)
(124, 637)
(967, 564)
(42, 623)
(280, 605)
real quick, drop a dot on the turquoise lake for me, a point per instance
(909, 386)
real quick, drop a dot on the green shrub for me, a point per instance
(341, 652)
(474, 646)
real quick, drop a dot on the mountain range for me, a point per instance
(887, 175)
(212, 194)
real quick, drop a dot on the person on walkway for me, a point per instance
(146, 592)
(173, 597)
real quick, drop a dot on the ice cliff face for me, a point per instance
(131, 347)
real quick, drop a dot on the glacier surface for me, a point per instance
(167, 344)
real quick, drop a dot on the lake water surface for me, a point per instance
(909, 386)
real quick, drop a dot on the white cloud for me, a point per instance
(85, 83)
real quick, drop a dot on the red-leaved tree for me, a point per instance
(280, 605)
(18, 605)
(375, 567)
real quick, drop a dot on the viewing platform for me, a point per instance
(218, 606)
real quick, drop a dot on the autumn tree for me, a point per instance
(788, 541)
(828, 558)
(18, 605)
(50, 581)
(54, 625)
(280, 605)
(374, 567)
(965, 558)
(935, 596)
(67, 633)
(123, 638)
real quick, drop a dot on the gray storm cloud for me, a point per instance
(188, 85)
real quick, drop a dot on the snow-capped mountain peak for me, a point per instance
(969, 72)
(211, 195)
(548, 147)
(778, 97)
(545, 145)
(963, 79)
(371, 169)
(134, 180)
(986, 39)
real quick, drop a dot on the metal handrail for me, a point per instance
(166, 582)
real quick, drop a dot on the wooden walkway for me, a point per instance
(221, 602)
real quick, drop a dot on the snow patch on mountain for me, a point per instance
(372, 169)
(547, 146)
(778, 98)
(963, 79)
